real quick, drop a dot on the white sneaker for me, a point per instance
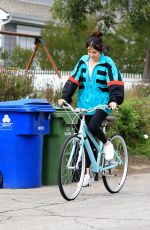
(108, 151)
(87, 180)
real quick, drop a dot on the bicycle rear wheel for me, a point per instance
(114, 178)
(71, 174)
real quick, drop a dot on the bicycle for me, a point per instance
(71, 168)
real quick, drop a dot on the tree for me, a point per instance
(138, 14)
(65, 47)
(20, 57)
(136, 11)
(75, 12)
(127, 48)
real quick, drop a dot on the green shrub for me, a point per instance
(49, 93)
(14, 87)
(142, 90)
(20, 57)
(53, 95)
(128, 119)
(133, 120)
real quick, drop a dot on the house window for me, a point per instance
(24, 42)
(43, 2)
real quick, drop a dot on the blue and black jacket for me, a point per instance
(103, 87)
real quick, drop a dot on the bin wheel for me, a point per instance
(1, 179)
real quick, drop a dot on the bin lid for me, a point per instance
(27, 105)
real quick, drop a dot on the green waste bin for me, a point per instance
(62, 126)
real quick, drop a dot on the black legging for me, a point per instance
(94, 123)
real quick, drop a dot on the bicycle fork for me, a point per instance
(69, 164)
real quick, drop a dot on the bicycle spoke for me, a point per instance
(71, 173)
(115, 177)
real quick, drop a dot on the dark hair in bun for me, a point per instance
(95, 41)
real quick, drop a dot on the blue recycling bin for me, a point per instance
(23, 124)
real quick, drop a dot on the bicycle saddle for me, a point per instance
(110, 118)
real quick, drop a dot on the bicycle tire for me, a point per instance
(115, 178)
(70, 180)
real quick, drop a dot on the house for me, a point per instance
(22, 16)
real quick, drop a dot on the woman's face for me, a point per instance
(94, 54)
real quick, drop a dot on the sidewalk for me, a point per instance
(44, 208)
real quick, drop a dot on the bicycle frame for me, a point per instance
(85, 135)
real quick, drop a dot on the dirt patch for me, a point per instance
(139, 164)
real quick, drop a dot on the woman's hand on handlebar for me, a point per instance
(61, 102)
(113, 105)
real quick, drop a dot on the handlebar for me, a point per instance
(82, 110)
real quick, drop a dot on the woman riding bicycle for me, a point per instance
(99, 82)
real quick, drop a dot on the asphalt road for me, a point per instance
(94, 209)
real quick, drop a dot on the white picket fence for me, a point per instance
(49, 77)
(131, 80)
(42, 78)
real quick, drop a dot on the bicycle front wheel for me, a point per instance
(114, 178)
(71, 168)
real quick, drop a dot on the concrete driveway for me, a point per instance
(94, 209)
